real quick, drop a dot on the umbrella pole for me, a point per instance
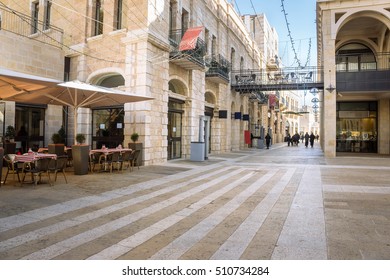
(75, 125)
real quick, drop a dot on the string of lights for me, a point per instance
(289, 34)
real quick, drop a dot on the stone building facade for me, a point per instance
(136, 46)
(353, 48)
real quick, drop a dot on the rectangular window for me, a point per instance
(107, 127)
(34, 17)
(46, 17)
(118, 14)
(98, 18)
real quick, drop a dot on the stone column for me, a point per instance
(329, 98)
(383, 126)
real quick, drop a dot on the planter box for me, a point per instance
(137, 146)
(58, 149)
(9, 148)
(80, 155)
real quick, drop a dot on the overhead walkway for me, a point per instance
(246, 81)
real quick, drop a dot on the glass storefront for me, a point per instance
(356, 127)
(29, 127)
(174, 128)
(107, 127)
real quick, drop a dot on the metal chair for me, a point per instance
(134, 159)
(94, 160)
(59, 166)
(126, 159)
(39, 167)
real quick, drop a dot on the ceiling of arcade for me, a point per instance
(371, 27)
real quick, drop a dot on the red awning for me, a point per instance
(188, 42)
(272, 99)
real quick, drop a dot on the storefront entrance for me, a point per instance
(29, 127)
(357, 127)
(174, 128)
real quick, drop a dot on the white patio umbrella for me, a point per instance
(13, 82)
(76, 94)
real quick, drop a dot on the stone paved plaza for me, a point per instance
(285, 203)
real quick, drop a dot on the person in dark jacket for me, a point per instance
(267, 140)
(312, 137)
(306, 139)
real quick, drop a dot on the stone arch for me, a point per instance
(178, 86)
(381, 15)
(210, 98)
(363, 42)
(107, 77)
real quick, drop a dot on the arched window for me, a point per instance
(112, 81)
(355, 57)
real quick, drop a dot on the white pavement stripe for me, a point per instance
(306, 212)
(356, 189)
(42, 232)
(182, 244)
(140, 237)
(22, 219)
(82, 238)
(236, 244)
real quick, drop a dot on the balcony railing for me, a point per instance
(26, 26)
(363, 72)
(283, 79)
(362, 62)
(188, 59)
(218, 69)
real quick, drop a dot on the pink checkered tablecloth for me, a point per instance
(29, 157)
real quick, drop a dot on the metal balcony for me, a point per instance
(284, 79)
(188, 59)
(218, 70)
(24, 25)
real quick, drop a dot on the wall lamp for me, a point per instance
(330, 88)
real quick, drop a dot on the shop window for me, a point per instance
(107, 127)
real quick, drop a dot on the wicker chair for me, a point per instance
(14, 168)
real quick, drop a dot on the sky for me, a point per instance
(301, 16)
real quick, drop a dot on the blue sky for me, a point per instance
(301, 17)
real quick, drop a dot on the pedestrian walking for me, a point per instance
(306, 139)
(288, 139)
(312, 137)
(267, 140)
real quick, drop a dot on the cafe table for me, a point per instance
(28, 160)
(100, 157)
(31, 157)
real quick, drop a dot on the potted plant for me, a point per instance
(58, 145)
(10, 133)
(136, 146)
(80, 154)
(80, 138)
(134, 137)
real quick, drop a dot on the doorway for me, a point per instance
(175, 115)
(29, 127)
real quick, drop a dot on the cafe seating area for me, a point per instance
(34, 168)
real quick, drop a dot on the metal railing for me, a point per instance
(362, 62)
(195, 55)
(282, 79)
(219, 65)
(26, 26)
